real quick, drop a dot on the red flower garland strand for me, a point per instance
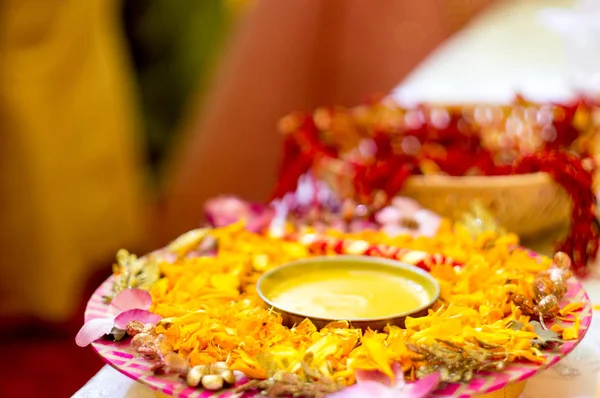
(325, 245)
(568, 170)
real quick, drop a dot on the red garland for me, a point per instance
(455, 148)
(568, 170)
(300, 150)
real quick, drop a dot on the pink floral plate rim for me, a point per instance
(121, 357)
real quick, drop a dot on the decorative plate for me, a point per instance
(120, 356)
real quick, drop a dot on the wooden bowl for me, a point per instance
(529, 205)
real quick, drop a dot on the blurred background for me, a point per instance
(118, 119)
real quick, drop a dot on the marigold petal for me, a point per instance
(571, 307)
(572, 332)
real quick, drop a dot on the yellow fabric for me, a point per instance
(70, 169)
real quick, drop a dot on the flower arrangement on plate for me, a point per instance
(188, 321)
(191, 319)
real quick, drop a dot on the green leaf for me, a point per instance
(545, 336)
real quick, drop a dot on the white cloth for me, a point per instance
(506, 50)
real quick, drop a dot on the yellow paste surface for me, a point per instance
(349, 294)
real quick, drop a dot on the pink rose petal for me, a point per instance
(421, 387)
(240, 377)
(363, 376)
(398, 374)
(388, 215)
(429, 222)
(135, 314)
(224, 210)
(93, 330)
(129, 299)
(406, 206)
(376, 384)
(380, 377)
(261, 220)
(367, 389)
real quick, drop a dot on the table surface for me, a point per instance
(504, 51)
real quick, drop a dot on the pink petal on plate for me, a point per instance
(406, 206)
(129, 299)
(422, 387)
(93, 330)
(380, 377)
(424, 215)
(240, 377)
(388, 215)
(261, 219)
(224, 210)
(136, 314)
(364, 376)
(367, 389)
(398, 374)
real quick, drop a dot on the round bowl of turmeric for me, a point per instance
(366, 292)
